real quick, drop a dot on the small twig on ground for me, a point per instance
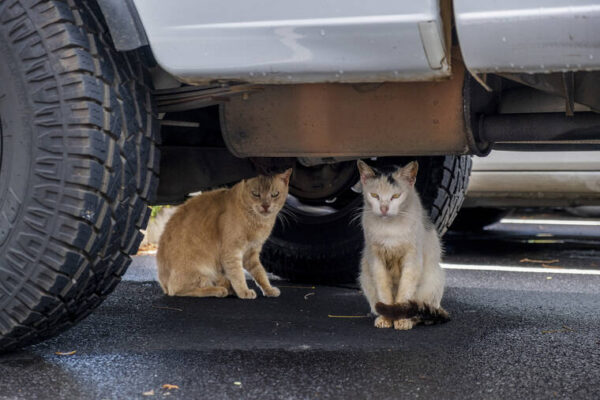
(167, 308)
(65, 353)
(564, 329)
(530, 260)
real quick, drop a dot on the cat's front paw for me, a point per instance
(382, 322)
(247, 294)
(272, 292)
(403, 324)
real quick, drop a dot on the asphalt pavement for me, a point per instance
(524, 300)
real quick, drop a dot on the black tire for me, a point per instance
(477, 218)
(79, 165)
(326, 249)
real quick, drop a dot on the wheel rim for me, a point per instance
(319, 183)
(334, 197)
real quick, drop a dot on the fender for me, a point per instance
(124, 24)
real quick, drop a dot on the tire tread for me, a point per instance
(96, 150)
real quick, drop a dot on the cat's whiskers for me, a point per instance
(283, 219)
(284, 216)
(289, 213)
(357, 213)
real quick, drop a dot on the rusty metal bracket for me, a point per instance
(332, 120)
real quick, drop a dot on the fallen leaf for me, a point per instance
(539, 261)
(148, 393)
(147, 249)
(308, 294)
(348, 316)
(167, 308)
(169, 387)
(65, 353)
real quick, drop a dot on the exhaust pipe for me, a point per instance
(547, 127)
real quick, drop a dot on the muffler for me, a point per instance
(350, 120)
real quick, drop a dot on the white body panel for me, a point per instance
(538, 161)
(270, 41)
(529, 35)
(509, 179)
(273, 42)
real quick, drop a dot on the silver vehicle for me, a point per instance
(508, 180)
(100, 98)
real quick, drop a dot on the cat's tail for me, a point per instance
(423, 312)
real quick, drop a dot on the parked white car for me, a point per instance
(507, 180)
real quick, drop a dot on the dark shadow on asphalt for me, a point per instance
(512, 335)
(499, 342)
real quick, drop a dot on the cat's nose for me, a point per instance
(265, 207)
(384, 209)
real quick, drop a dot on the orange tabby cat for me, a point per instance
(213, 236)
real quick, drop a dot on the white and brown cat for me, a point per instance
(213, 237)
(400, 275)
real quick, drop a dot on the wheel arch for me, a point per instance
(124, 24)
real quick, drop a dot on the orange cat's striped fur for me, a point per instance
(211, 238)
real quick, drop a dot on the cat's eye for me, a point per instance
(274, 194)
(375, 195)
(395, 196)
(255, 194)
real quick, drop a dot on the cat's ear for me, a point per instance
(408, 172)
(366, 172)
(285, 176)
